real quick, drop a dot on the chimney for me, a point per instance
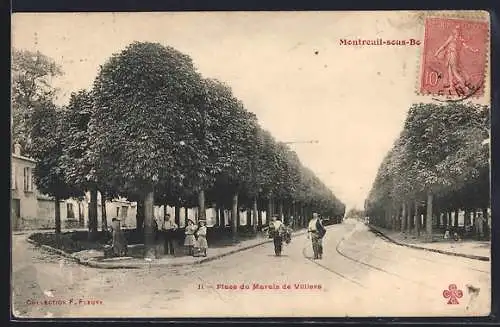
(17, 149)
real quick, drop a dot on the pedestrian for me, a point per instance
(168, 229)
(190, 240)
(119, 243)
(316, 232)
(276, 231)
(201, 241)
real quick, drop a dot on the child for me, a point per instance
(202, 238)
(190, 240)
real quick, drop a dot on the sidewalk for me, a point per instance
(479, 250)
(95, 258)
(47, 230)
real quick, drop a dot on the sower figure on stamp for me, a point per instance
(451, 50)
(316, 231)
(168, 229)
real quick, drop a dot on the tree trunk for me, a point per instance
(403, 218)
(474, 222)
(259, 220)
(417, 219)
(104, 219)
(201, 206)
(177, 214)
(235, 217)
(486, 230)
(222, 222)
(93, 214)
(81, 218)
(430, 199)
(57, 217)
(149, 243)
(305, 218)
(455, 224)
(409, 220)
(269, 212)
(449, 220)
(254, 215)
(139, 217)
(217, 215)
(281, 210)
(185, 216)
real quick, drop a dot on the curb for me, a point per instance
(101, 265)
(456, 254)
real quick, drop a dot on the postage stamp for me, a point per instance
(454, 57)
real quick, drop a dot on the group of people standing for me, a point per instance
(280, 233)
(195, 240)
(195, 236)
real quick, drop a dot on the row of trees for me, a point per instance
(152, 129)
(438, 166)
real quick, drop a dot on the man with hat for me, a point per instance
(316, 231)
(168, 228)
(275, 231)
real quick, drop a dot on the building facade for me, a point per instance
(31, 209)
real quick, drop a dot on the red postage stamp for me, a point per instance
(454, 57)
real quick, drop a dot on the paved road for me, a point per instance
(360, 275)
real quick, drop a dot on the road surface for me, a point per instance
(360, 274)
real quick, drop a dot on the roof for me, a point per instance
(23, 158)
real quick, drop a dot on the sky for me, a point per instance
(289, 68)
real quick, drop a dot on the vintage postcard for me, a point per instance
(251, 164)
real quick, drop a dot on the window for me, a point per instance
(28, 179)
(13, 185)
(117, 212)
(124, 212)
(70, 212)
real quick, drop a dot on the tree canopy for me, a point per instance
(32, 73)
(439, 152)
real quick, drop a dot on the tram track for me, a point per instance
(359, 262)
(331, 270)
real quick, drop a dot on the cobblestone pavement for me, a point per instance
(361, 274)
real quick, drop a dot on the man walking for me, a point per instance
(316, 231)
(168, 228)
(275, 231)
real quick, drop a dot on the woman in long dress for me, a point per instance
(190, 240)
(202, 237)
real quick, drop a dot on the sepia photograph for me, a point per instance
(250, 164)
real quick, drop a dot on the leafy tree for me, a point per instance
(439, 157)
(49, 144)
(77, 161)
(31, 87)
(144, 120)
